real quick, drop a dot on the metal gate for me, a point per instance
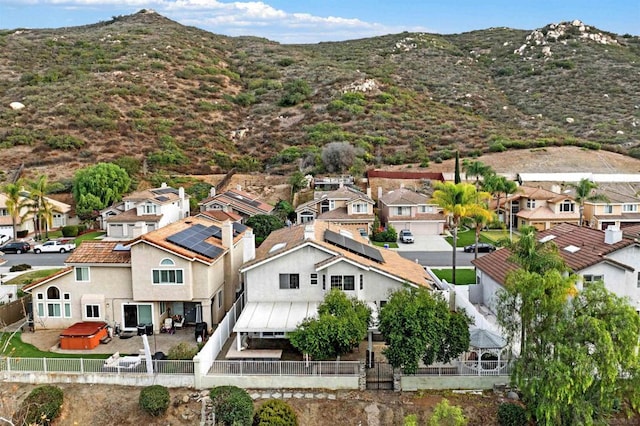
(380, 376)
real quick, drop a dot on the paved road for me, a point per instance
(439, 258)
(42, 259)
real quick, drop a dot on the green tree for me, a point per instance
(476, 169)
(264, 224)
(37, 204)
(455, 200)
(341, 325)
(417, 325)
(480, 215)
(15, 203)
(296, 91)
(497, 185)
(98, 186)
(535, 256)
(456, 178)
(297, 182)
(585, 191)
(446, 414)
(284, 210)
(232, 406)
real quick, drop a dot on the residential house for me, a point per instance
(25, 222)
(145, 211)
(237, 202)
(187, 268)
(621, 210)
(590, 253)
(538, 207)
(295, 267)
(406, 209)
(346, 206)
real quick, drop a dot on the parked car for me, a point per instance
(482, 248)
(16, 247)
(406, 236)
(4, 239)
(54, 246)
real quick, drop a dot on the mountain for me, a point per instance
(144, 90)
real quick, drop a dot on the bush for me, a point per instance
(154, 400)
(232, 406)
(410, 420)
(275, 412)
(447, 415)
(510, 414)
(70, 231)
(19, 268)
(40, 407)
(182, 351)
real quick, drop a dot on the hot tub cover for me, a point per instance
(85, 328)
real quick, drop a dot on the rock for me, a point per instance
(16, 106)
(620, 132)
(570, 120)
(185, 399)
(513, 396)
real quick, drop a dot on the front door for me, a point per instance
(136, 314)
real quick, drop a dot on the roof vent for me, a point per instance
(572, 249)
(547, 238)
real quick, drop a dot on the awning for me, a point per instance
(274, 316)
(92, 299)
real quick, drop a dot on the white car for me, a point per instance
(54, 247)
(4, 239)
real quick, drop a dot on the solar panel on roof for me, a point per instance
(239, 228)
(193, 238)
(165, 191)
(162, 198)
(353, 246)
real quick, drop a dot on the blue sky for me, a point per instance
(310, 21)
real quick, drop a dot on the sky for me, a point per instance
(312, 21)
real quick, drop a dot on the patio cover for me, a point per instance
(485, 339)
(274, 316)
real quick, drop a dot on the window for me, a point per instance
(167, 262)
(82, 273)
(67, 305)
(314, 279)
(425, 209)
(92, 311)
(590, 279)
(608, 209)
(53, 310)
(638, 285)
(150, 209)
(566, 206)
(163, 307)
(630, 208)
(289, 281)
(403, 211)
(531, 204)
(324, 282)
(167, 276)
(41, 309)
(343, 282)
(40, 296)
(361, 282)
(359, 207)
(53, 293)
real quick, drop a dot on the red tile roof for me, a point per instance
(99, 252)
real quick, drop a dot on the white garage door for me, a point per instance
(6, 230)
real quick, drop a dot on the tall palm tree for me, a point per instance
(476, 169)
(46, 215)
(498, 185)
(15, 203)
(38, 190)
(455, 200)
(585, 192)
(481, 215)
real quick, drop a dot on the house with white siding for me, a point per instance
(406, 209)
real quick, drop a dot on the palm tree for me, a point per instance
(46, 215)
(534, 256)
(585, 192)
(15, 203)
(37, 195)
(498, 185)
(455, 200)
(476, 169)
(481, 216)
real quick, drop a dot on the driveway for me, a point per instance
(426, 243)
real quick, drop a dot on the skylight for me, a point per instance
(547, 238)
(277, 247)
(572, 249)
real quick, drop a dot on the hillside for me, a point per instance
(178, 99)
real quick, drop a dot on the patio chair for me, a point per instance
(168, 326)
(178, 322)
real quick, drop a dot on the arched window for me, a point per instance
(167, 262)
(53, 293)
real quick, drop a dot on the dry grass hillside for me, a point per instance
(145, 91)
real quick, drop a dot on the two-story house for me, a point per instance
(295, 267)
(406, 209)
(145, 211)
(622, 208)
(346, 206)
(235, 201)
(592, 254)
(25, 220)
(187, 268)
(539, 207)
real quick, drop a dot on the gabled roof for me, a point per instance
(346, 193)
(539, 194)
(341, 214)
(132, 215)
(403, 197)
(100, 252)
(545, 213)
(580, 247)
(289, 239)
(45, 280)
(220, 216)
(163, 195)
(241, 201)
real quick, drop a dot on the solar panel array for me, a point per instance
(193, 238)
(162, 198)
(165, 191)
(353, 246)
(245, 200)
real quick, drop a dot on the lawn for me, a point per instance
(467, 237)
(17, 348)
(29, 277)
(78, 240)
(391, 244)
(464, 276)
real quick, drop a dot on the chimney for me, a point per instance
(379, 192)
(249, 249)
(239, 187)
(401, 185)
(612, 235)
(369, 191)
(184, 205)
(227, 234)
(309, 232)
(555, 188)
(212, 191)
(163, 185)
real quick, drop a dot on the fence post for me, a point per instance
(9, 365)
(82, 365)
(44, 364)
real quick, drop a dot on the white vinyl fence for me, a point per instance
(285, 368)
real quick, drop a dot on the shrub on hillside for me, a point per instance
(70, 231)
(275, 412)
(232, 406)
(154, 400)
(447, 415)
(40, 407)
(510, 414)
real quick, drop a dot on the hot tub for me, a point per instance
(83, 335)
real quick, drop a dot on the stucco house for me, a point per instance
(237, 202)
(538, 207)
(406, 209)
(592, 254)
(621, 210)
(145, 211)
(25, 222)
(187, 268)
(346, 206)
(295, 267)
